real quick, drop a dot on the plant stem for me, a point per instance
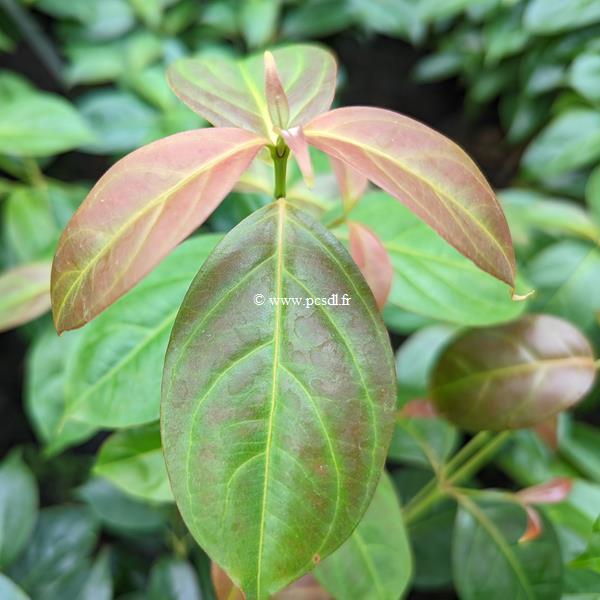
(467, 451)
(435, 490)
(279, 154)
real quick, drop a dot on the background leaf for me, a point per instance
(18, 507)
(375, 562)
(222, 418)
(514, 375)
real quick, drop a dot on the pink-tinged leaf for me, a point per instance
(534, 525)
(295, 139)
(552, 492)
(139, 210)
(277, 101)
(24, 294)
(428, 173)
(372, 259)
(229, 93)
(420, 408)
(352, 184)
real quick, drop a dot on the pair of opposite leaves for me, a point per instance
(275, 442)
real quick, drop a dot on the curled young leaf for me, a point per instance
(551, 492)
(534, 525)
(289, 422)
(139, 210)
(372, 259)
(427, 172)
(296, 140)
(514, 375)
(352, 184)
(24, 294)
(224, 91)
(277, 101)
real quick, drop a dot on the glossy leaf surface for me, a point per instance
(372, 259)
(9, 590)
(375, 562)
(229, 93)
(513, 376)
(114, 378)
(138, 212)
(173, 579)
(133, 461)
(431, 278)
(428, 173)
(260, 428)
(24, 294)
(18, 507)
(490, 562)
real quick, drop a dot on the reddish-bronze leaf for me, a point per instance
(352, 184)
(295, 139)
(514, 375)
(372, 259)
(427, 172)
(534, 525)
(553, 491)
(139, 210)
(277, 101)
(24, 294)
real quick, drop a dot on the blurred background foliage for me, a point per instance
(516, 82)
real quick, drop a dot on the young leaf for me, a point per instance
(133, 461)
(489, 562)
(114, 378)
(375, 562)
(260, 438)
(277, 101)
(513, 376)
(295, 139)
(24, 294)
(18, 507)
(425, 171)
(352, 184)
(372, 259)
(551, 492)
(225, 92)
(138, 212)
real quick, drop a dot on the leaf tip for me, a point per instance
(277, 101)
(522, 297)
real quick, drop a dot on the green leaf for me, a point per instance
(564, 276)
(133, 461)
(18, 507)
(490, 562)
(553, 16)
(431, 278)
(570, 141)
(584, 76)
(34, 218)
(416, 358)
(317, 19)
(260, 433)
(173, 579)
(425, 442)
(119, 512)
(513, 376)
(45, 395)
(258, 21)
(208, 86)
(98, 584)
(375, 562)
(40, 124)
(592, 193)
(530, 210)
(62, 540)
(120, 121)
(114, 377)
(590, 559)
(580, 445)
(9, 590)
(396, 18)
(24, 294)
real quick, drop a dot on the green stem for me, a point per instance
(467, 451)
(435, 490)
(280, 153)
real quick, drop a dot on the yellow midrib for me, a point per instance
(276, 352)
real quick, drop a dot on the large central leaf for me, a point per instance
(276, 417)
